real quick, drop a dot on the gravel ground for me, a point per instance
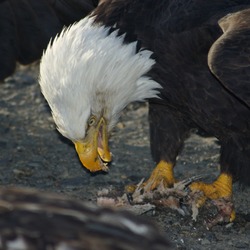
(33, 154)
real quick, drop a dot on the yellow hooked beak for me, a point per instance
(93, 151)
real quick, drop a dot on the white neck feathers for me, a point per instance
(88, 71)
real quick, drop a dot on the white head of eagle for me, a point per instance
(88, 76)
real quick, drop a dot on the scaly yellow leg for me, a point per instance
(221, 188)
(163, 172)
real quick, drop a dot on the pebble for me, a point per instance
(205, 242)
(34, 164)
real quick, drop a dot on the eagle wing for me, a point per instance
(229, 56)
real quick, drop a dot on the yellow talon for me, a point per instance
(221, 188)
(163, 172)
(232, 216)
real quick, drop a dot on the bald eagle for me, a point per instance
(189, 59)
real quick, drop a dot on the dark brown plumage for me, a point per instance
(202, 52)
(33, 220)
(26, 26)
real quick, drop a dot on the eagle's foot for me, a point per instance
(220, 192)
(162, 175)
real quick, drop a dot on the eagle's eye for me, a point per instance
(92, 121)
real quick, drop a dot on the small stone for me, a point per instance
(205, 242)
(22, 172)
(120, 125)
(20, 149)
(34, 164)
(229, 225)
